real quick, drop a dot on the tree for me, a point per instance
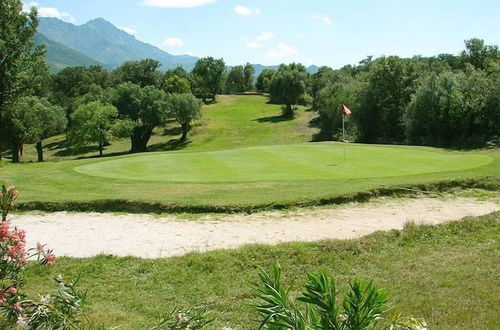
(52, 119)
(248, 72)
(185, 108)
(21, 125)
(288, 86)
(176, 84)
(478, 54)
(147, 107)
(380, 116)
(143, 73)
(92, 123)
(207, 77)
(22, 63)
(264, 80)
(235, 82)
(70, 84)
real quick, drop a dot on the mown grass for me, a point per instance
(234, 121)
(242, 156)
(447, 274)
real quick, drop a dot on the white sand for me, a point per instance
(90, 234)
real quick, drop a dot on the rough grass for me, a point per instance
(447, 274)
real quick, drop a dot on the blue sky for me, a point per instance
(321, 32)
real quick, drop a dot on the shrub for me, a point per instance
(364, 306)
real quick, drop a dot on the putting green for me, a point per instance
(319, 161)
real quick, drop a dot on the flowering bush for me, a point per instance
(54, 311)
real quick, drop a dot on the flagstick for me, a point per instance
(343, 132)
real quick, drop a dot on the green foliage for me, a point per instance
(453, 109)
(185, 108)
(92, 123)
(143, 73)
(248, 77)
(31, 120)
(288, 86)
(176, 84)
(71, 84)
(235, 82)
(147, 107)
(264, 80)
(440, 101)
(207, 77)
(22, 63)
(364, 305)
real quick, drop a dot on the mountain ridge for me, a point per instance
(98, 41)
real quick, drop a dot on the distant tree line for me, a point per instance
(446, 100)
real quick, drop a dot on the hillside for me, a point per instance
(102, 41)
(59, 56)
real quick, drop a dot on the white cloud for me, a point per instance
(253, 45)
(48, 12)
(173, 42)
(265, 36)
(176, 3)
(322, 18)
(259, 40)
(281, 51)
(54, 12)
(245, 11)
(129, 30)
(27, 6)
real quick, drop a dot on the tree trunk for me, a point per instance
(140, 138)
(101, 149)
(185, 128)
(15, 153)
(288, 111)
(39, 151)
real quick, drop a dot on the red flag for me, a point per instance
(346, 111)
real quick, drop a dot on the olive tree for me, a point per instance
(288, 86)
(146, 107)
(207, 77)
(185, 108)
(92, 123)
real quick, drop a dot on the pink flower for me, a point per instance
(19, 235)
(50, 260)
(4, 231)
(12, 291)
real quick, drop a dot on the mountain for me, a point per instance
(102, 41)
(59, 56)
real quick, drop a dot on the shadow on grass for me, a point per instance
(67, 152)
(174, 144)
(170, 131)
(273, 119)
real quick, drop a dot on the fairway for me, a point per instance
(323, 161)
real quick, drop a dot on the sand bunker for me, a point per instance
(146, 236)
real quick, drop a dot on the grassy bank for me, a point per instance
(447, 274)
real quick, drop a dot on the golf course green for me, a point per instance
(240, 155)
(322, 161)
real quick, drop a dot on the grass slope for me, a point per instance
(235, 121)
(446, 274)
